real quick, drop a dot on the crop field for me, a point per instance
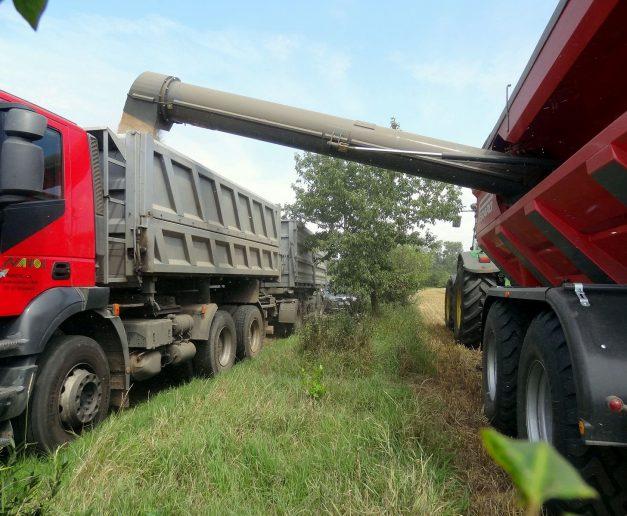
(390, 427)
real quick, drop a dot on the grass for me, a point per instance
(254, 441)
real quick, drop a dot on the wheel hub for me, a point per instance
(458, 309)
(224, 347)
(81, 395)
(539, 409)
(255, 336)
(491, 365)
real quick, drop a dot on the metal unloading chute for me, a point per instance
(157, 101)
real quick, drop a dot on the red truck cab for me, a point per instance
(48, 241)
(48, 268)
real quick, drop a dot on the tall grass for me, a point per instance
(254, 441)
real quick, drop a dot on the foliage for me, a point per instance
(363, 214)
(28, 490)
(312, 382)
(31, 10)
(539, 472)
(409, 270)
(444, 256)
(341, 331)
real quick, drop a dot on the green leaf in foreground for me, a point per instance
(538, 471)
(31, 10)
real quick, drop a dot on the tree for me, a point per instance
(363, 214)
(31, 10)
(410, 269)
(444, 256)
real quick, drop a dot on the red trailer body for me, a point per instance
(569, 106)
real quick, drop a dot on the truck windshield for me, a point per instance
(53, 159)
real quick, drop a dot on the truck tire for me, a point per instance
(470, 293)
(502, 341)
(250, 331)
(71, 392)
(448, 302)
(547, 409)
(217, 354)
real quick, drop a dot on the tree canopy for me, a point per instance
(369, 221)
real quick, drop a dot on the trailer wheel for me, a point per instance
(547, 410)
(217, 354)
(250, 331)
(470, 293)
(448, 302)
(71, 392)
(502, 341)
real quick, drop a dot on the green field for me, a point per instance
(254, 440)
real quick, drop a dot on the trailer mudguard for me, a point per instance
(28, 333)
(597, 341)
(288, 311)
(595, 325)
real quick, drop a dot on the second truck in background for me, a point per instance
(298, 292)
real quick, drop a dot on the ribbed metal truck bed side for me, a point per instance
(167, 214)
(299, 267)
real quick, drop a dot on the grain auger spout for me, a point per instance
(156, 102)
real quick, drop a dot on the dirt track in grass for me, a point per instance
(454, 397)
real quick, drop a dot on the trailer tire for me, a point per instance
(502, 341)
(470, 291)
(250, 331)
(545, 354)
(217, 353)
(73, 374)
(448, 302)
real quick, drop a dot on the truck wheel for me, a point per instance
(470, 293)
(71, 392)
(547, 410)
(502, 341)
(448, 302)
(217, 354)
(250, 331)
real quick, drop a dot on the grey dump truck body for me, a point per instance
(297, 292)
(168, 215)
(300, 267)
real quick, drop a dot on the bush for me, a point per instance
(332, 333)
(409, 270)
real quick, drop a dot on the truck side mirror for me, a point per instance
(21, 161)
(457, 221)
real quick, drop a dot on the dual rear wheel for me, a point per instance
(231, 337)
(529, 392)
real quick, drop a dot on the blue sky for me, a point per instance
(440, 67)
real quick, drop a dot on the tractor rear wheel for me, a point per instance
(470, 291)
(448, 302)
